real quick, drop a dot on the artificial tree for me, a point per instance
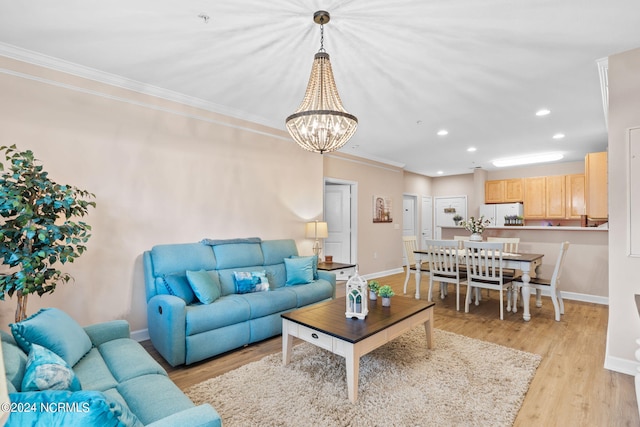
(39, 227)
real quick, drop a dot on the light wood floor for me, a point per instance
(571, 387)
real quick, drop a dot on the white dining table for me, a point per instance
(527, 263)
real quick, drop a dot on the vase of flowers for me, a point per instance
(476, 226)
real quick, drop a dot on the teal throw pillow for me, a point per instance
(204, 285)
(315, 264)
(70, 409)
(299, 270)
(179, 286)
(55, 330)
(250, 281)
(48, 371)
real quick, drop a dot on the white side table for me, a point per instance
(342, 271)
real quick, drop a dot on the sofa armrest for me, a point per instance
(167, 323)
(329, 277)
(100, 333)
(200, 416)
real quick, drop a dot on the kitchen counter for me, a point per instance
(528, 227)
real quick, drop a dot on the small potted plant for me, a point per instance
(374, 286)
(385, 292)
(457, 218)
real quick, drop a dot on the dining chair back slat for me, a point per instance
(484, 270)
(444, 264)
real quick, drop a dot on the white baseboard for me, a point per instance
(624, 366)
(141, 335)
(383, 273)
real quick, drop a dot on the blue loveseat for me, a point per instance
(184, 329)
(60, 374)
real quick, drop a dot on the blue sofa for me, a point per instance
(185, 330)
(60, 374)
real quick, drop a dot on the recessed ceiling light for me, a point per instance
(527, 160)
(439, 172)
(558, 136)
(543, 112)
(471, 149)
(443, 132)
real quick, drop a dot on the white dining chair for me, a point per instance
(484, 271)
(552, 285)
(444, 267)
(410, 244)
(510, 244)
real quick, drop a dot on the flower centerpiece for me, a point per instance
(476, 226)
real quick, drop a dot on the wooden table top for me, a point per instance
(505, 256)
(329, 317)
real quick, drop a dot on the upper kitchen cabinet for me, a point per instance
(535, 198)
(575, 189)
(504, 191)
(595, 167)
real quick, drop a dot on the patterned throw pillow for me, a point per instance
(47, 371)
(250, 281)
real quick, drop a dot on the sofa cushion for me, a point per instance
(262, 304)
(66, 408)
(205, 285)
(250, 281)
(275, 251)
(48, 371)
(299, 270)
(238, 255)
(178, 285)
(177, 258)
(167, 397)
(53, 329)
(127, 359)
(313, 292)
(93, 372)
(15, 362)
(227, 310)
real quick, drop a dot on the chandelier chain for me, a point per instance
(321, 38)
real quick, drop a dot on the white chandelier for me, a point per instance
(321, 124)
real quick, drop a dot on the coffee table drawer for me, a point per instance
(314, 337)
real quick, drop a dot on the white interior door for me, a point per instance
(426, 220)
(409, 226)
(446, 208)
(337, 214)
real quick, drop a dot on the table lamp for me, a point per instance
(317, 230)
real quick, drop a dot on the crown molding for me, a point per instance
(93, 74)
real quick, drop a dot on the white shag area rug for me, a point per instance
(460, 382)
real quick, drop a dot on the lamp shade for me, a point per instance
(317, 230)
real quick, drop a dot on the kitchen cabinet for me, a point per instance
(575, 190)
(503, 191)
(535, 198)
(595, 167)
(554, 197)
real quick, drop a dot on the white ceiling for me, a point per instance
(406, 69)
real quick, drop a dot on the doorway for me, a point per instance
(340, 213)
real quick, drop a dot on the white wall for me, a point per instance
(162, 172)
(624, 282)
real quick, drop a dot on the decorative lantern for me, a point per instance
(357, 297)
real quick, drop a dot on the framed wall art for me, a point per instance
(382, 209)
